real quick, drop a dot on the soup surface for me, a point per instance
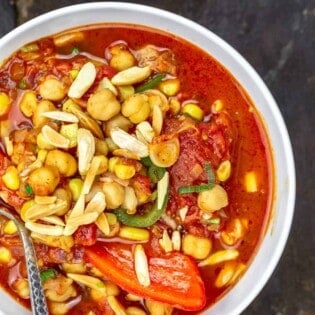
(139, 166)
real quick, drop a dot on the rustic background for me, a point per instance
(278, 38)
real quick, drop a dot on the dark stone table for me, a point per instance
(278, 38)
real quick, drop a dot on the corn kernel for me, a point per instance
(112, 162)
(26, 205)
(123, 171)
(74, 73)
(169, 87)
(5, 255)
(224, 171)
(28, 103)
(251, 182)
(4, 104)
(133, 233)
(10, 227)
(174, 106)
(195, 246)
(75, 186)
(11, 178)
(217, 106)
(193, 110)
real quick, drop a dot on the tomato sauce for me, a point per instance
(236, 134)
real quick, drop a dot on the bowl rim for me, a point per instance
(234, 61)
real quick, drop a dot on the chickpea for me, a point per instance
(64, 195)
(63, 161)
(213, 199)
(122, 58)
(53, 295)
(42, 107)
(52, 89)
(195, 246)
(136, 108)
(44, 180)
(114, 194)
(103, 105)
(101, 147)
(28, 103)
(22, 288)
(117, 121)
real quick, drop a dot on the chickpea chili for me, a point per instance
(139, 167)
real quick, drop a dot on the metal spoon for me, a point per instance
(38, 300)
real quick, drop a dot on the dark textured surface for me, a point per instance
(278, 38)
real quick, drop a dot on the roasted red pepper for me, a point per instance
(175, 279)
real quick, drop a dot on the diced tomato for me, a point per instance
(175, 278)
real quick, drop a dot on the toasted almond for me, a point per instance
(116, 306)
(45, 229)
(53, 219)
(165, 242)
(102, 224)
(183, 212)
(65, 39)
(86, 150)
(126, 154)
(97, 203)
(105, 83)
(36, 164)
(45, 200)
(162, 190)
(157, 119)
(91, 282)
(131, 75)
(83, 81)
(91, 174)
(156, 97)
(78, 208)
(55, 138)
(8, 146)
(219, 257)
(83, 219)
(38, 211)
(141, 265)
(146, 131)
(176, 240)
(130, 203)
(126, 141)
(62, 116)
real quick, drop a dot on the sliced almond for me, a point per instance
(83, 81)
(183, 212)
(130, 202)
(157, 119)
(78, 208)
(55, 138)
(45, 200)
(86, 150)
(91, 282)
(165, 242)
(8, 146)
(91, 174)
(61, 116)
(102, 224)
(116, 306)
(97, 203)
(83, 219)
(146, 131)
(126, 154)
(141, 266)
(38, 211)
(176, 240)
(126, 141)
(131, 75)
(45, 229)
(219, 257)
(53, 219)
(105, 83)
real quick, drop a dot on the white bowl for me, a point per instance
(271, 248)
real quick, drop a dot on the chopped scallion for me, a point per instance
(22, 84)
(75, 51)
(28, 189)
(156, 173)
(146, 161)
(214, 221)
(30, 48)
(48, 274)
(151, 84)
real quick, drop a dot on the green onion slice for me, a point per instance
(29, 189)
(48, 274)
(151, 84)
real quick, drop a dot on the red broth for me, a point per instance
(234, 133)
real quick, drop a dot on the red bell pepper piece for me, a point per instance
(175, 278)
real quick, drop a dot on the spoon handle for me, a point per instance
(38, 300)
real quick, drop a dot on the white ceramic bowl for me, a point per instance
(271, 248)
